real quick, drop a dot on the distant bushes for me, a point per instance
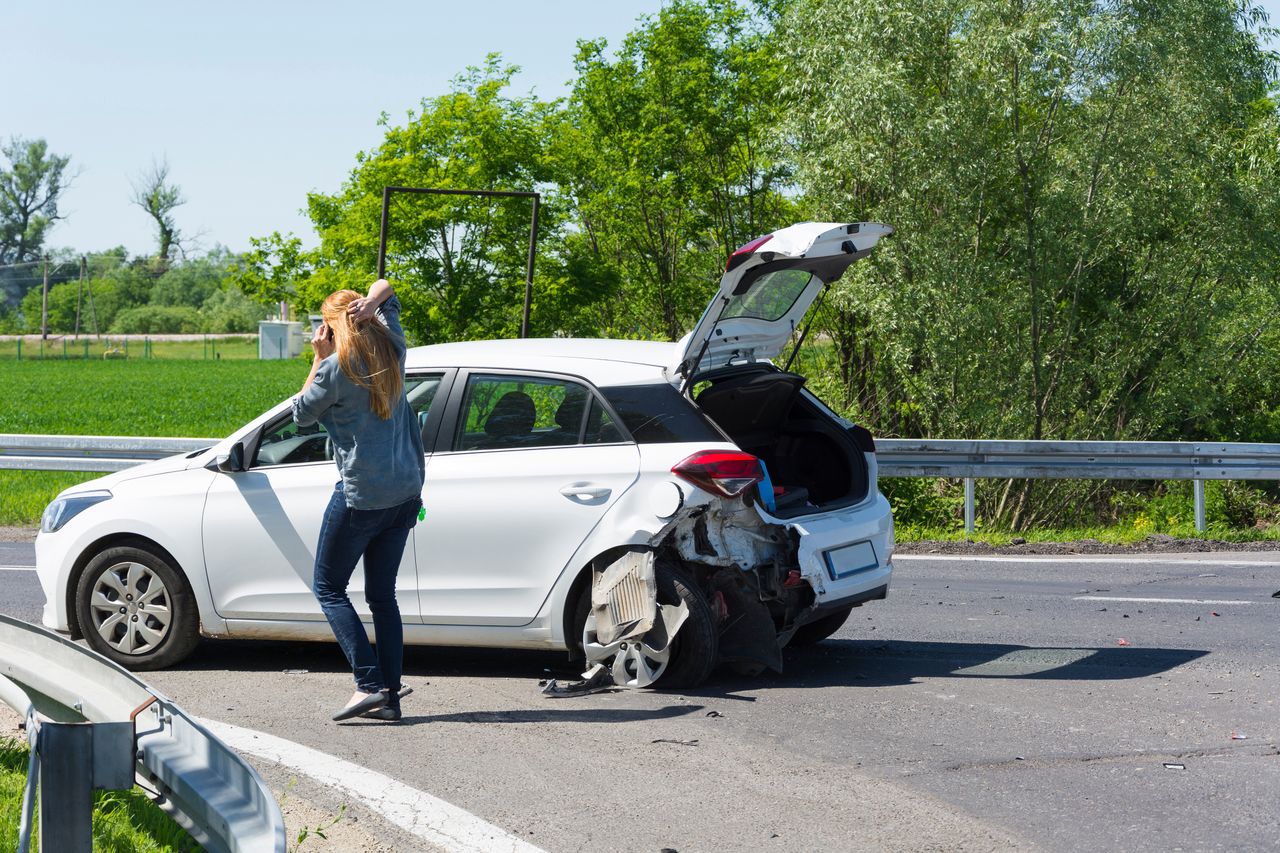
(157, 320)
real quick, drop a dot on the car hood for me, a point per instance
(767, 288)
(177, 462)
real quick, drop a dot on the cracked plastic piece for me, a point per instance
(594, 680)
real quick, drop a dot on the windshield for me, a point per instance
(770, 297)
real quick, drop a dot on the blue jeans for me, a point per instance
(379, 536)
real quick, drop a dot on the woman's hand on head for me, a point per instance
(322, 341)
(362, 308)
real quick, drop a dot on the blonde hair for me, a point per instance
(366, 353)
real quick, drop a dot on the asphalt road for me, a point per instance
(988, 704)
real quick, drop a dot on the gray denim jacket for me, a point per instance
(381, 462)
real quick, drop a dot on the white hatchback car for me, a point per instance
(656, 508)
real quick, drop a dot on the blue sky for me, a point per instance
(256, 104)
(253, 104)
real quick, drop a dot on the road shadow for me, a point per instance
(556, 712)
(832, 663)
(870, 663)
(419, 661)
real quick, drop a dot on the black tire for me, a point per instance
(696, 646)
(138, 590)
(815, 632)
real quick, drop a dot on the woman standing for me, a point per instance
(356, 390)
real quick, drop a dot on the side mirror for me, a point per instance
(230, 462)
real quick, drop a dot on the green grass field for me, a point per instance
(122, 820)
(196, 399)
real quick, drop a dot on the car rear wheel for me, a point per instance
(818, 630)
(690, 656)
(136, 609)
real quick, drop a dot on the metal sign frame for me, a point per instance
(388, 191)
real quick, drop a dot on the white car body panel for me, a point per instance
(161, 501)
(265, 569)
(497, 569)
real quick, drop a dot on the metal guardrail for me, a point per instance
(897, 457)
(205, 786)
(101, 453)
(1078, 460)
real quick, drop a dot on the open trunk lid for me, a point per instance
(767, 288)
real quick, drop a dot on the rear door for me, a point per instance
(526, 466)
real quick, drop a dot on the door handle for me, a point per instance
(585, 491)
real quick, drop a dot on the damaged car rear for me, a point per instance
(773, 540)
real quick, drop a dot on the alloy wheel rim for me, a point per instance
(130, 608)
(636, 661)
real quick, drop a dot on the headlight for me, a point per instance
(66, 508)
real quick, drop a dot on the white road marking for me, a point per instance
(17, 568)
(1159, 600)
(1072, 558)
(416, 812)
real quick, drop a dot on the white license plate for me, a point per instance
(850, 560)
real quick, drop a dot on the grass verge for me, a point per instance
(154, 398)
(1120, 534)
(123, 821)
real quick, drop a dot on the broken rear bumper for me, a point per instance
(846, 556)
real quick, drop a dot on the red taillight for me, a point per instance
(727, 473)
(743, 252)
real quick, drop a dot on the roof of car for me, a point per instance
(596, 359)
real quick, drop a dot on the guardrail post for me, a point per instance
(76, 758)
(66, 787)
(1199, 492)
(968, 504)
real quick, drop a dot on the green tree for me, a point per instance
(32, 180)
(229, 310)
(193, 281)
(664, 157)
(1084, 195)
(460, 261)
(155, 194)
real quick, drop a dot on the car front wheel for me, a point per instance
(136, 609)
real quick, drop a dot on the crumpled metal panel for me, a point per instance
(624, 598)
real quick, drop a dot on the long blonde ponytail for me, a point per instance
(366, 353)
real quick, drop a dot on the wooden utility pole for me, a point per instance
(79, 297)
(93, 312)
(44, 303)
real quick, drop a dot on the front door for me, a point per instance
(261, 525)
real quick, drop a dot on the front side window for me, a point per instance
(286, 443)
(513, 412)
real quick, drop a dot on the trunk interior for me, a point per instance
(813, 461)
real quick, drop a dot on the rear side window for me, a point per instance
(514, 412)
(658, 414)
